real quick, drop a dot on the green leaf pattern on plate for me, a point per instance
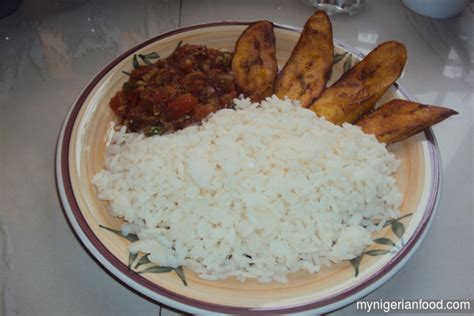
(397, 226)
(390, 221)
(152, 55)
(146, 58)
(129, 237)
(156, 269)
(179, 271)
(398, 229)
(135, 62)
(131, 258)
(347, 64)
(338, 57)
(144, 260)
(356, 263)
(377, 252)
(384, 241)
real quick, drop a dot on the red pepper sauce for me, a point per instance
(177, 91)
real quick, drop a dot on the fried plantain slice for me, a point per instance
(399, 119)
(254, 63)
(306, 72)
(357, 91)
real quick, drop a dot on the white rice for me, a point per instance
(256, 192)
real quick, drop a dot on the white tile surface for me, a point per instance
(50, 49)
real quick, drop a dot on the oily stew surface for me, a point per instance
(177, 91)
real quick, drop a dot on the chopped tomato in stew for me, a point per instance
(177, 91)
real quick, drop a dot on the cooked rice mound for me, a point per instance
(256, 192)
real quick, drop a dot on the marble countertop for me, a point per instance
(50, 49)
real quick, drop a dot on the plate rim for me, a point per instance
(158, 294)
